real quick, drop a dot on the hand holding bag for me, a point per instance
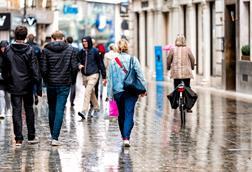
(113, 110)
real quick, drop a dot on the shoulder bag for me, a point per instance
(131, 82)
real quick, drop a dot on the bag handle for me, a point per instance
(121, 65)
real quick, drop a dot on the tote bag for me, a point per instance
(113, 110)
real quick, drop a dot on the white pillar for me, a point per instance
(55, 25)
(142, 39)
(118, 21)
(206, 42)
(250, 29)
(150, 44)
(159, 29)
(191, 29)
(200, 41)
(175, 24)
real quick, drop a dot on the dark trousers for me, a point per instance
(57, 97)
(16, 102)
(178, 81)
(126, 106)
(72, 93)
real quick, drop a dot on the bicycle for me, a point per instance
(181, 102)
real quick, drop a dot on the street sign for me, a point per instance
(5, 21)
(159, 63)
(30, 20)
(67, 9)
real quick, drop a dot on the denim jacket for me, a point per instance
(116, 75)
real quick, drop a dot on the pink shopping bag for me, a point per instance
(113, 110)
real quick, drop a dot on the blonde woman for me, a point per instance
(181, 62)
(125, 100)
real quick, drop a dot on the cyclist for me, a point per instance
(181, 63)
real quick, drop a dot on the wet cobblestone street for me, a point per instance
(217, 137)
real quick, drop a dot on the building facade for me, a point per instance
(106, 21)
(211, 27)
(40, 17)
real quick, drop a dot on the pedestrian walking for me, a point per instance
(69, 40)
(109, 56)
(58, 64)
(125, 100)
(90, 66)
(20, 71)
(181, 63)
(3, 45)
(37, 88)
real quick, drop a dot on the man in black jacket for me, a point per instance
(37, 88)
(21, 72)
(90, 65)
(58, 64)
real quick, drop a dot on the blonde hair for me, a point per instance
(58, 35)
(123, 46)
(180, 41)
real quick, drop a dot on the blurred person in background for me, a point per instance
(90, 65)
(37, 89)
(69, 40)
(3, 45)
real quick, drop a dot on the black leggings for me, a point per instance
(178, 81)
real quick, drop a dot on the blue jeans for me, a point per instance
(57, 97)
(126, 106)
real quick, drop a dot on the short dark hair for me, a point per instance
(69, 39)
(20, 32)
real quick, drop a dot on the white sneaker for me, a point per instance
(34, 141)
(126, 143)
(55, 143)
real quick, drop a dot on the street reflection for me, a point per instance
(217, 136)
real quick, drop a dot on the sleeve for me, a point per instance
(191, 57)
(169, 59)
(43, 64)
(100, 64)
(6, 68)
(106, 60)
(34, 67)
(79, 57)
(139, 71)
(110, 82)
(74, 61)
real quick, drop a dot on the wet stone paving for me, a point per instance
(217, 137)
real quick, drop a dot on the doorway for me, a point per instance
(230, 48)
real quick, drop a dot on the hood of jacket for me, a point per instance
(57, 46)
(19, 48)
(89, 40)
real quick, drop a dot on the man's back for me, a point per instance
(57, 63)
(20, 68)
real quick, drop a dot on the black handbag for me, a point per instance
(131, 82)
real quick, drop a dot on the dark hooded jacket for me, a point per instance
(58, 63)
(2, 82)
(20, 70)
(91, 60)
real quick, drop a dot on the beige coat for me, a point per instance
(181, 63)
